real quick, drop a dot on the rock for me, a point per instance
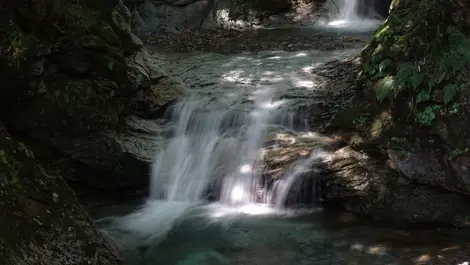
(176, 15)
(283, 152)
(42, 222)
(147, 11)
(165, 17)
(77, 104)
(363, 185)
(431, 169)
(182, 2)
(374, 8)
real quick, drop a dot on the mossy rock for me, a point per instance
(355, 117)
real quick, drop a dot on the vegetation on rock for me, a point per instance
(421, 57)
(412, 116)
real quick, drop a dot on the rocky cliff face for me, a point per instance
(42, 222)
(75, 76)
(410, 120)
(156, 16)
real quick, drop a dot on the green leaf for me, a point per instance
(416, 79)
(422, 96)
(450, 91)
(384, 64)
(3, 177)
(385, 87)
(110, 65)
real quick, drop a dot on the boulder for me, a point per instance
(362, 183)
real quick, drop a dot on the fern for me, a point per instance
(409, 75)
(418, 52)
(450, 91)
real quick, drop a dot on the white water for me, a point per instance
(213, 145)
(219, 127)
(344, 15)
(216, 146)
(282, 186)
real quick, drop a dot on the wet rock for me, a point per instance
(431, 169)
(363, 185)
(87, 87)
(283, 153)
(169, 16)
(374, 8)
(42, 222)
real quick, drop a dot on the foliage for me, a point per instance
(457, 152)
(9, 168)
(421, 55)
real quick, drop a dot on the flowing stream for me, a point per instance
(232, 103)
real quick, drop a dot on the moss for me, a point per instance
(15, 160)
(355, 117)
(9, 168)
(14, 44)
(414, 54)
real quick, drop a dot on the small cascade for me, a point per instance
(215, 145)
(351, 15)
(283, 186)
(348, 10)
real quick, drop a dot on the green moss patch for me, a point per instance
(422, 57)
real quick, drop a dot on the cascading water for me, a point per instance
(348, 10)
(218, 133)
(215, 146)
(283, 186)
(351, 15)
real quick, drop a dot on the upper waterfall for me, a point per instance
(351, 15)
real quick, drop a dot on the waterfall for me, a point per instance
(348, 10)
(215, 145)
(282, 186)
(219, 131)
(351, 15)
